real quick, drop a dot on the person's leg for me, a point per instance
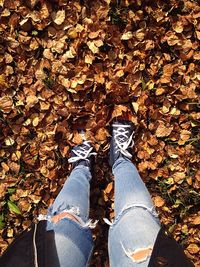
(135, 228)
(72, 242)
(129, 188)
(134, 231)
(74, 196)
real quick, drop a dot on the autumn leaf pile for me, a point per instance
(67, 65)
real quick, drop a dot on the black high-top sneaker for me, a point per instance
(82, 154)
(122, 140)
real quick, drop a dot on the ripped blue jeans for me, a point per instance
(132, 234)
(134, 230)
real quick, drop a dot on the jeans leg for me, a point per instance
(134, 231)
(75, 193)
(129, 188)
(70, 242)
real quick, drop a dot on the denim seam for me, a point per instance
(152, 211)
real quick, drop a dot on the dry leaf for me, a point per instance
(127, 36)
(118, 110)
(163, 130)
(59, 17)
(35, 121)
(9, 141)
(193, 248)
(178, 176)
(178, 26)
(31, 100)
(6, 104)
(93, 47)
(158, 201)
(72, 33)
(101, 134)
(196, 220)
(77, 138)
(3, 82)
(109, 188)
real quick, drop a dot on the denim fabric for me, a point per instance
(75, 193)
(73, 241)
(136, 224)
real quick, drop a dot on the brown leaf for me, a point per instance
(178, 26)
(3, 82)
(193, 248)
(101, 134)
(93, 35)
(77, 138)
(59, 17)
(196, 220)
(31, 100)
(119, 110)
(159, 201)
(163, 130)
(14, 167)
(178, 177)
(109, 188)
(6, 104)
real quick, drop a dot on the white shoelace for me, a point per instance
(120, 134)
(83, 153)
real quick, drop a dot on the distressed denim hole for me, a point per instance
(138, 255)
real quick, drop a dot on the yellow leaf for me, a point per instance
(178, 26)
(72, 33)
(135, 106)
(9, 141)
(31, 100)
(159, 201)
(193, 248)
(3, 81)
(59, 17)
(93, 47)
(35, 121)
(127, 35)
(89, 59)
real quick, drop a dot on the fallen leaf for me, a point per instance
(31, 100)
(127, 36)
(196, 220)
(163, 130)
(35, 121)
(13, 207)
(193, 248)
(6, 104)
(159, 201)
(101, 134)
(178, 26)
(9, 141)
(59, 17)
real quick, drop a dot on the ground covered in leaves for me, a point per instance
(65, 65)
